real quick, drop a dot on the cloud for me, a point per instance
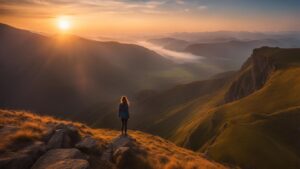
(181, 57)
(187, 10)
(180, 2)
(37, 2)
(52, 8)
(202, 7)
(15, 7)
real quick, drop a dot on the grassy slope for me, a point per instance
(260, 130)
(175, 113)
(18, 129)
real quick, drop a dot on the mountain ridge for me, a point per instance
(259, 67)
(43, 142)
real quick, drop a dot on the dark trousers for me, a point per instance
(124, 125)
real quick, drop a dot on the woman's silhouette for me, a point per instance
(124, 113)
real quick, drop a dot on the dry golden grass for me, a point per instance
(252, 136)
(153, 151)
(166, 155)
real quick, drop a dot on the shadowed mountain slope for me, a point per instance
(65, 73)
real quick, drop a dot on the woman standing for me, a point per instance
(124, 113)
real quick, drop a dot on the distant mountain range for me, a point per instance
(225, 36)
(227, 50)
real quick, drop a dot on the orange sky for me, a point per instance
(117, 17)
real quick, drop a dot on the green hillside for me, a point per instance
(258, 127)
(175, 113)
(261, 130)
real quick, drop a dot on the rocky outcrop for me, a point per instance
(123, 152)
(55, 150)
(253, 74)
(89, 148)
(120, 142)
(62, 147)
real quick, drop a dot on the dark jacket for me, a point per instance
(124, 111)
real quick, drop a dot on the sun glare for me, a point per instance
(64, 23)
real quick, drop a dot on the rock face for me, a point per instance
(60, 157)
(22, 159)
(253, 74)
(124, 153)
(60, 148)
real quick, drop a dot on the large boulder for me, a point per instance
(70, 164)
(130, 158)
(120, 155)
(90, 145)
(24, 158)
(127, 155)
(58, 156)
(121, 141)
(65, 136)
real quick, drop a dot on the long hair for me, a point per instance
(124, 100)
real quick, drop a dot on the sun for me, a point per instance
(63, 23)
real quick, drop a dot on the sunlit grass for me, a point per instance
(160, 153)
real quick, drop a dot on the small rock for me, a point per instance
(57, 155)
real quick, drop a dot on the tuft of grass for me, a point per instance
(23, 136)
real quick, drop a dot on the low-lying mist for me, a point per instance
(178, 57)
